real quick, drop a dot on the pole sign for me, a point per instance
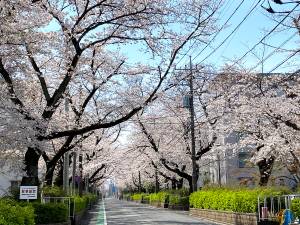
(28, 192)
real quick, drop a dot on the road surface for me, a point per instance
(116, 212)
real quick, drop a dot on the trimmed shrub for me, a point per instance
(54, 191)
(50, 213)
(13, 214)
(136, 197)
(81, 203)
(145, 198)
(235, 200)
(162, 196)
(178, 199)
(154, 198)
(295, 207)
(142, 197)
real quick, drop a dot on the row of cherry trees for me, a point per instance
(68, 80)
(262, 109)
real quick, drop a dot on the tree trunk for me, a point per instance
(190, 180)
(265, 169)
(60, 174)
(174, 181)
(180, 183)
(31, 161)
(49, 175)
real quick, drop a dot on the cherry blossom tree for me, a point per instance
(163, 131)
(77, 51)
(260, 108)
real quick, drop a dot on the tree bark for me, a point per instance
(59, 179)
(31, 161)
(265, 169)
(190, 180)
(180, 183)
(49, 175)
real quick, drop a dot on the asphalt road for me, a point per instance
(116, 212)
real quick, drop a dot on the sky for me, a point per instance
(249, 33)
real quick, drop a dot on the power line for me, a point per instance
(222, 27)
(235, 29)
(274, 51)
(209, 17)
(283, 62)
(268, 34)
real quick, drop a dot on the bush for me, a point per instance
(50, 212)
(136, 197)
(13, 214)
(180, 192)
(178, 200)
(154, 197)
(81, 203)
(145, 198)
(54, 191)
(295, 207)
(235, 200)
(162, 196)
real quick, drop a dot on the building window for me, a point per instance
(243, 158)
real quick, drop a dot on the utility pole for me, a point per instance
(66, 155)
(190, 106)
(80, 173)
(74, 172)
(192, 114)
(219, 170)
(156, 181)
(140, 183)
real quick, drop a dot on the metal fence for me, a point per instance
(277, 208)
(69, 201)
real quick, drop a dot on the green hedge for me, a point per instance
(180, 192)
(235, 200)
(50, 213)
(159, 197)
(81, 203)
(54, 191)
(296, 207)
(145, 198)
(142, 197)
(13, 214)
(177, 200)
(136, 197)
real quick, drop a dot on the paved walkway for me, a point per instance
(116, 212)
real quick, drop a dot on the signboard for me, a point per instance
(28, 192)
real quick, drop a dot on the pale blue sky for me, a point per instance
(250, 32)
